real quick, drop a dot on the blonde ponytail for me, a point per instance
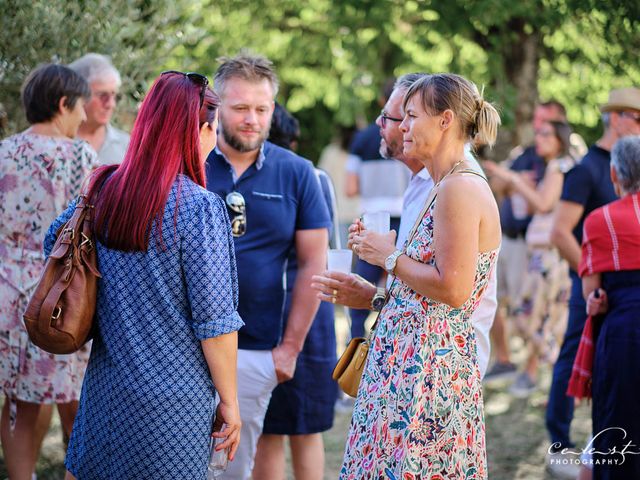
(486, 124)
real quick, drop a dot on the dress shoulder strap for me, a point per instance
(473, 172)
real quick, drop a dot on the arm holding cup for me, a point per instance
(372, 247)
(347, 289)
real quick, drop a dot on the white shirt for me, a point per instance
(415, 197)
(114, 147)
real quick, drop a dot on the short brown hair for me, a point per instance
(45, 86)
(253, 68)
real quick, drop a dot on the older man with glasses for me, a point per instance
(104, 80)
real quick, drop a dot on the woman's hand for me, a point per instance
(373, 248)
(597, 303)
(354, 229)
(229, 416)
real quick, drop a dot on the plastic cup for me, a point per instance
(339, 260)
(218, 460)
(379, 222)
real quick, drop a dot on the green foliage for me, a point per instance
(334, 56)
(134, 33)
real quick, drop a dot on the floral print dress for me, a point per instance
(39, 175)
(419, 410)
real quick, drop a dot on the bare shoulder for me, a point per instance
(467, 201)
(466, 190)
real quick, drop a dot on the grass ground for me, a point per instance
(516, 437)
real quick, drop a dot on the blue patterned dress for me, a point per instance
(419, 412)
(147, 399)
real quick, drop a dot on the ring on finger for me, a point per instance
(335, 292)
(333, 299)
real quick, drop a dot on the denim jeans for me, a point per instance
(560, 407)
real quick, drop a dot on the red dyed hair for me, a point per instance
(164, 143)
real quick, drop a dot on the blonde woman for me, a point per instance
(419, 411)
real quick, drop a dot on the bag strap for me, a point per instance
(474, 172)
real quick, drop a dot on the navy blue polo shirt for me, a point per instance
(282, 195)
(589, 184)
(528, 160)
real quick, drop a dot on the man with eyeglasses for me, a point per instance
(274, 203)
(586, 187)
(380, 183)
(104, 80)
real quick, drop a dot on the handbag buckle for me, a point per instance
(56, 313)
(85, 241)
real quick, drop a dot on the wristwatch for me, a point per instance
(390, 262)
(377, 302)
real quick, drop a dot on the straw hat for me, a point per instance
(622, 99)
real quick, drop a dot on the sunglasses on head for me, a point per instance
(196, 78)
(384, 118)
(235, 202)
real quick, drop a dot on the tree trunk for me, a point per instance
(520, 61)
(522, 71)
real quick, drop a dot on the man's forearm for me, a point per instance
(568, 247)
(304, 306)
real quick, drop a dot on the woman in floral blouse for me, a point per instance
(41, 170)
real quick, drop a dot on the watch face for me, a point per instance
(389, 263)
(378, 303)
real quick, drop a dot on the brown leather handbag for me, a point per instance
(59, 317)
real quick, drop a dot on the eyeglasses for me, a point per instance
(104, 97)
(384, 117)
(235, 202)
(633, 116)
(544, 133)
(196, 78)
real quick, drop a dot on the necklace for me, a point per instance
(429, 202)
(448, 173)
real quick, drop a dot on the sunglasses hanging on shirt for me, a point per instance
(235, 202)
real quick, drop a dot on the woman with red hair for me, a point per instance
(166, 317)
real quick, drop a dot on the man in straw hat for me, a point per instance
(586, 187)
